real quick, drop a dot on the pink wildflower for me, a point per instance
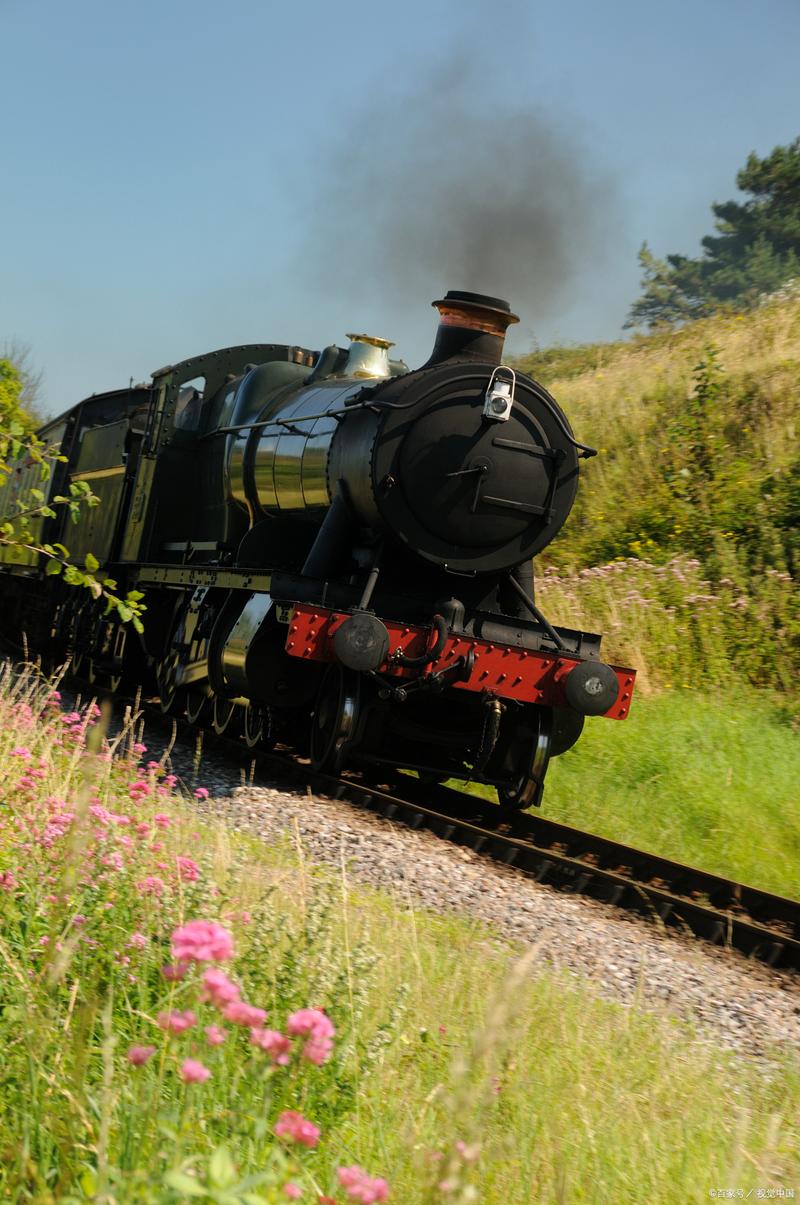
(276, 1044)
(219, 988)
(174, 971)
(319, 1029)
(162, 820)
(296, 1128)
(293, 1191)
(7, 880)
(176, 1022)
(140, 1054)
(139, 748)
(202, 941)
(152, 885)
(215, 1035)
(193, 1072)
(188, 869)
(21, 751)
(201, 793)
(142, 829)
(243, 1014)
(361, 1187)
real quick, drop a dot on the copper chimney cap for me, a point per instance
(475, 311)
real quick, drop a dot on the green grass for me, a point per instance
(708, 780)
(443, 1036)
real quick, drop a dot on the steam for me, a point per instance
(454, 185)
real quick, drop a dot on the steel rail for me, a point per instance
(711, 907)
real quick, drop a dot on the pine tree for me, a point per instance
(755, 250)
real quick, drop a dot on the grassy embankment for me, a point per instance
(455, 1074)
(684, 549)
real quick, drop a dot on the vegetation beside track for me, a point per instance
(709, 780)
(456, 1073)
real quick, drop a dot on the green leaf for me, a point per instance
(221, 1169)
(53, 568)
(185, 1184)
(89, 1182)
(91, 563)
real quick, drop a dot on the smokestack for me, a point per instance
(471, 327)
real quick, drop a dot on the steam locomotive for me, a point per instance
(335, 552)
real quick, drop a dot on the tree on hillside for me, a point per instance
(20, 356)
(756, 248)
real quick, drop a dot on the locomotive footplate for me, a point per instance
(497, 669)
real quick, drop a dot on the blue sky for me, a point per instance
(183, 176)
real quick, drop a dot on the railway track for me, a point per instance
(710, 907)
(707, 906)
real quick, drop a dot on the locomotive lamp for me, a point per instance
(500, 396)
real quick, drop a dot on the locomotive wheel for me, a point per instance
(171, 697)
(198, 705)
(334, 719)
(225, 718)
(533, 744)
(257, 726)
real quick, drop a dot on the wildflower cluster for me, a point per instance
(682, 628)
(96, 884)
(197, 948)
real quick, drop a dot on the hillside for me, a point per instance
(698, 435)
(684, 544)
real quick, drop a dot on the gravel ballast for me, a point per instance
(744, 1006)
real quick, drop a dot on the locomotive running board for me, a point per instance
(202, 575)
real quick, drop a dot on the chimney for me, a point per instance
(471, 327)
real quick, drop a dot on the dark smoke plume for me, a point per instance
(454, 186)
